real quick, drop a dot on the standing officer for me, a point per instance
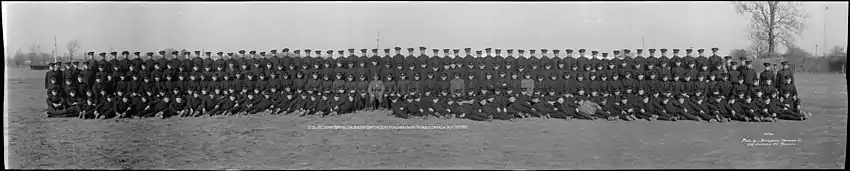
(582, 60)
(785, 72)
(639, 59)
(652, 59)
(715, 59)
(701, 60)
(767, 74)
(747, 72)
(688, 59)
(398, 56)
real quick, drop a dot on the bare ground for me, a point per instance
(284, 142)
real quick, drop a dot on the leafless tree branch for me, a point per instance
(772, 23)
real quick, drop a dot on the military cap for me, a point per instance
(700, 50)
(555, 50)
(90, 53)
(467, 49)
(616, 52)
(363, 50)
(422, 48)
(603, 54)
(230, 54)
(175, 53)
(675, 50)
(397, 48)
(663, 50)
(651, 50)
(520, 50)
(410, 49)
(374, 50)
(510, 50)
(728, 57)
(714, 49)
(241, 51)
(478, 52)
(273, 51)
(497, 50)
(689, 50)
(285, 50)
(742, 58)
(113, 53)
(187, 53)
(594, 52)
(435, 50)
(307, 51)
(340, 51)
(767, 64)
(136, 53)
(639, 50)
(531, 50)
(456, 50)
(262, 53)
(734, 63)
(386, 50)
(297, 51)
(581, 50)
(626, 50)
(784, 63)
(150, 53)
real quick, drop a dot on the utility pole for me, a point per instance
(54, 49)
(378, 41)
(825, 14)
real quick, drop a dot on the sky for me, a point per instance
(262, 26)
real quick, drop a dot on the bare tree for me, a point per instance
(19, 58)
(33, 55)
(739, 53)
(773, 22)
(168, 53)
(73, 46)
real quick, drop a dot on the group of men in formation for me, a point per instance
(482, 87)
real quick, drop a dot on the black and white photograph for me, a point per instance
(425, 85)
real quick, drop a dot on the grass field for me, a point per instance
(284, 142)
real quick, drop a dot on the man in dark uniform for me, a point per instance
(664, 56)
(533, 63)
(113, 62)
(676, 58)
(651, 59)
(785, 72)
(639, 59)
(748, 73)
(582, 60)
(767, 74)
(688, 59)
(715, 59)
(398, 56)
(677, 71)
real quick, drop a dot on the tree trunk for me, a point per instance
(770, 31)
